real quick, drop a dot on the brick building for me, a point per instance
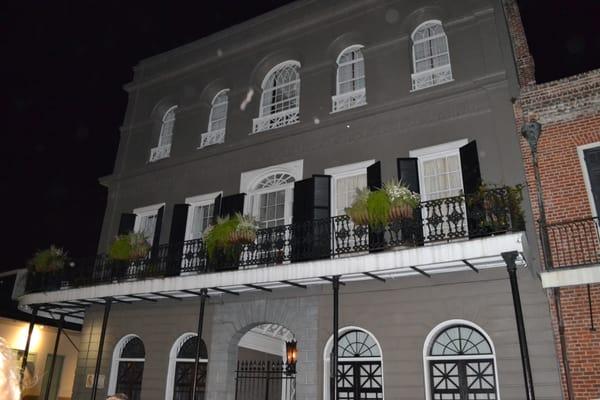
(568, 153)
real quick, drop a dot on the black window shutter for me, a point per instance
(408, 173)
(126, 223)
(217, 208)
(176, 238)
(157, 228)
(469, 163)
(311, 230)
(232, 204)
(374, 176)
(592, 162)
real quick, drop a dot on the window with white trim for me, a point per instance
(280, 99)
(360, 366)
(128, 367)
(217, 120)
(145, 221)
(180, 375)
(163, 150)
(460, 363)
(431, 56)
(346, 180)
(272, 199)
(350, 79)
(200, 214)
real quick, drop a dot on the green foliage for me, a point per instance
(48, 260)
(492, 198)
(399, 194)
(131, 246)
(358, 211)
(218, 236)
(378, 206)
(246, 223)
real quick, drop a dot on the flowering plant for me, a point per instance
(400, 194)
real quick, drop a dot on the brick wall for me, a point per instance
(569, 111)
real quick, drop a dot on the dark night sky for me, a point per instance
(64, 64)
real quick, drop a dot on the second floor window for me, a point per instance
(217, 120)
(350, 77)
(163, 150)
(280, 100)
(431, 56)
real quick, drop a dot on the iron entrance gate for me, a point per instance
(264, 380)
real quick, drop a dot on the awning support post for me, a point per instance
(53, 363)
(511, 265)
(27, 344)
(203, 296)
(334, 350)
(107, 305)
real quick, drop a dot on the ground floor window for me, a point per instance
(460, 363)
(360, 366)
(181, 369)
(128, 367)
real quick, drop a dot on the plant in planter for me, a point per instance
(402, 200)
(493, 207)
(358, 211)
(245, 231)
(130, 247)
(49, 260)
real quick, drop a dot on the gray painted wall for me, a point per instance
(400, 313)
(476, 106)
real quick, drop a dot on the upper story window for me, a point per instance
(431, 56)
(147, 221)
(345, 181)
(163, 150)
(280, 100)
(217, 121)
(350, 80)
(200, 214)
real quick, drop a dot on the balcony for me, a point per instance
(160, 152)
(442, 221)
(431, 77)
(574, 243)
(213, 137)
(276, 120)
(349, 100)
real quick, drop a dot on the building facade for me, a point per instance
(565, 115)
(283, 118)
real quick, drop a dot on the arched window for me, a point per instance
(217, 120)
(360, 366)
(271, 199)
(460, 363)
(350, 79)
(431, 56)
(280, 99)
(128, 367)
(163, 150)
(180, 378)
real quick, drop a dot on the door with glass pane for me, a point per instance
(200, 217)
(347, 236)
(444, 213)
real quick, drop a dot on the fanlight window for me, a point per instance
(461, 365)
(275, 180)
(356, 344)
(431, 56)
(280, 101)
(182, 369)
(130, 367)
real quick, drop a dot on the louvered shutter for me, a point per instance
(311, 229)
(156, 239)
(176, 238)
(126, 223)
(217, 208)
(408, 173)
(232, 204)
(374, 176)
(471, 176)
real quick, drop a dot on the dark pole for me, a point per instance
(334, 350)
(203, 296)
(510, 259)
(563, 342)
(53, 363)
(34, 312)
(107, 305)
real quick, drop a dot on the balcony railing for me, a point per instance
(574, 243)
(276, 120)
(435, 221)
(431, 77)
(212, 137)
(160, 152)
(349, 100)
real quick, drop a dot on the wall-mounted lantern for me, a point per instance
(291, 351)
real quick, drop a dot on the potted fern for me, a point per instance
(45, 263)
(245, 231)
(126, 249)
(225, 239)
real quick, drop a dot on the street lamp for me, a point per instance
(291, 351)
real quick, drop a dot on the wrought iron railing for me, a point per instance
(574, 243)
(442, 220)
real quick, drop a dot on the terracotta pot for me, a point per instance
(401, 211)
(361, 218)
(242, 237)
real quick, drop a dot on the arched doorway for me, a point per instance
(460, 363)
(262, 371)
(360, 366)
